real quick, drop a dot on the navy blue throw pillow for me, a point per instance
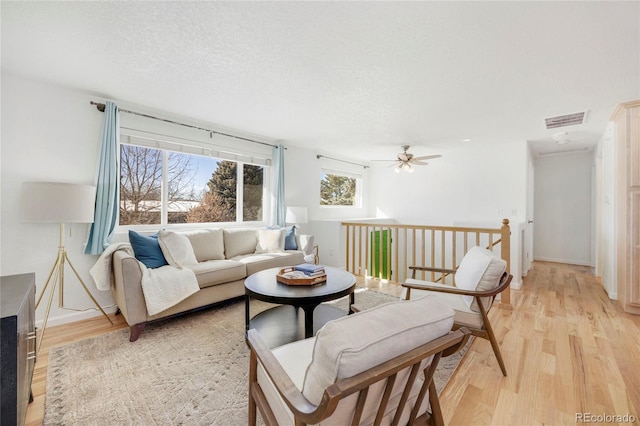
(290, 242)
(147, 249)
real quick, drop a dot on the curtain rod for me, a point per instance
(100, 107)
(342, 161)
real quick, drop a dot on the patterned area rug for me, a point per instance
(191, 370)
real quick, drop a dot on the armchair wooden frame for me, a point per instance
(305, 412)
(486, 331)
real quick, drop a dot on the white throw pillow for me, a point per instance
(480, 269)
(270, 240)
(177, 249)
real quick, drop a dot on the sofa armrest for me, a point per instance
(127, 289)
(305, 243)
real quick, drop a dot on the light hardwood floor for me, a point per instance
(568, 350)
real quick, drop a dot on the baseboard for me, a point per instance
(567, 261)
(75, 316)
(516, 285)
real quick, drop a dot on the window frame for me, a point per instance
(167, 146)
(358, 197)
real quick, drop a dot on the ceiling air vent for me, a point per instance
(565, 120)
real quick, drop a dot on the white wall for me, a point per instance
(302, 187)
(468, 185)
(48, 134)
(605, 218)
(563, 208)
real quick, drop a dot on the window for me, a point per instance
(340, 189)
(159, 186)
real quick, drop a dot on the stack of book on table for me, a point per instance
(310, 270)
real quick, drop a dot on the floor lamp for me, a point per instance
(60, 203)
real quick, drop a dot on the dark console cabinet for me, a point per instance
(18, 335)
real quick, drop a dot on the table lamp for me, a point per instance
(296, 215)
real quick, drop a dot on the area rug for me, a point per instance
(191, 370)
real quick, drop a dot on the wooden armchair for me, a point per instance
(482, 277)
(371, 367)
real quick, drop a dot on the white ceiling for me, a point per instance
(352, 78)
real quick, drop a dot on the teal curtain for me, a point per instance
(278, 185)
(107, 188)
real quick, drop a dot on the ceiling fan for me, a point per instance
(405, 160)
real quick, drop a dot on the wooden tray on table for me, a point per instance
(290, 276)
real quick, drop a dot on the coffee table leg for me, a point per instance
(246, 314)
(308, 320)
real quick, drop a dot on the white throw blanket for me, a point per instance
(101, 271)
(167, 286)
(163, 287)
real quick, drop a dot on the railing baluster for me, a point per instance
(424, 250)
(453, 249)
(372, 247)
(396, 267)
(433, 253)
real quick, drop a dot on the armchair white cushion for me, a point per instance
(480, 270)
(480, 276)
(353, 344)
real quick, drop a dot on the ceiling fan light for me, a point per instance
(397, 169)
(409, 169)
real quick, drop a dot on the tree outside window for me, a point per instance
(190, 198)
(338, 190)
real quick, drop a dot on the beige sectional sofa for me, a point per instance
(223, 259)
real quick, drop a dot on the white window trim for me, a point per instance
(241, 159)
(358, 201)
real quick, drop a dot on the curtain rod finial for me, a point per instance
(100, 107)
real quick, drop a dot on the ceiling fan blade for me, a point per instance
(395, 164)
(384, 160)
(427, 157)
(418, 162)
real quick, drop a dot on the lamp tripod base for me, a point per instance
(56, 276)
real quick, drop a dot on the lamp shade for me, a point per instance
(58, 202)
(296, 215)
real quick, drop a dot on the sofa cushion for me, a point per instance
(480, 269)
(239, 241)
(147, 249)
(214, 272)
(352, 344)
(208, 244)
(176, 249)
(270, 241)
(258, 262)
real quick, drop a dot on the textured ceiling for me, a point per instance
(353, 78)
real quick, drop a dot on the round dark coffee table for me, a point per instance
(300, 314)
